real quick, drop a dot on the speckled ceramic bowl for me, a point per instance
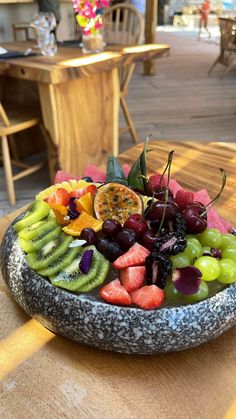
(86, 318)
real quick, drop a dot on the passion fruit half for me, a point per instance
(117, 202)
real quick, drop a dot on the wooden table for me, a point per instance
(47, 376)
(79, 98)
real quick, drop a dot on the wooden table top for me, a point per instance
(71, 63)
(47, 376)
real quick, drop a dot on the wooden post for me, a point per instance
(150, 33)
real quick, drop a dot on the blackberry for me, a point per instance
(158, 267)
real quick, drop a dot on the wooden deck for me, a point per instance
(181, 102)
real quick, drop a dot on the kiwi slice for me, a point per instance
(39, 241)
(61, 263)
(49, 252)
(36, 212)
(71, 278)
(38, 229)
(100, 277)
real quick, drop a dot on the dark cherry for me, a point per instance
(113, 251)
(89, 235)
(137, 223)
(111, 228)
(149, 239)
(161, 194)
(195, 218)
(126, 238)
(102, 245)
(159, 207)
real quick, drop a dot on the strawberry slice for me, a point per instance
(82, 191)
(135, 256)
(59, 196)
(148, 297)
(115, 293)
(133, 277)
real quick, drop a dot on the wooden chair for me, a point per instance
(13, 120)
(23, 28)
(124, 25)
(227, 44)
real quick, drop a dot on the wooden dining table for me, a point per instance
(79, 98)
(48, 376)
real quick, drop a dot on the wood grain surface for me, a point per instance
(77, 93)
(47, 376)
(71, 63)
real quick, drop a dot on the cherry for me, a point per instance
(111, 227)
(159, 207)
(126, 238)
(137, 223)
(113, 251)
(89, 235)
(149, 239)
(195, 218)
(103, 244)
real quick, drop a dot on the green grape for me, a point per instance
(229, 253)
(193, 249)
(209, 267)
(171, 291)
(200, 295)
(227, 240)
(228, 271)
(207, 250)
(180, 260)
(210, 237)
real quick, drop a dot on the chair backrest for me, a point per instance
(228, 33)
(3, 116)
(123, 25)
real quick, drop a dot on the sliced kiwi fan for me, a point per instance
(48, 251)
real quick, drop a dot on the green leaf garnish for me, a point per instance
(114, 171)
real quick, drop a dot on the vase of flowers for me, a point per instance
(89, 18)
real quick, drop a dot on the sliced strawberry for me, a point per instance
(59, 196)
(135, 256)
(183, 198)
(62, 176)
(115, 293)
(148, 297)
(133, 277)
(82, 191)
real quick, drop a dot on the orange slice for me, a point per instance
(60, 212)
(85, 203)
(116, 201)
(83, 221)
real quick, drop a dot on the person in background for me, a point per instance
(203, 21)
(50, 6)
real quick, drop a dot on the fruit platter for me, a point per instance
(124, 261)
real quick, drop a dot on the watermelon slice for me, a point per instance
(95, 173)
(62, 176)
(213, 219)
(174, 185)
(126, 168)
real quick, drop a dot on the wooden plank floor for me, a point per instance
(180, 102)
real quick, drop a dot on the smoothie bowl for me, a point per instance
(124, 261)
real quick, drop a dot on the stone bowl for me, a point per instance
(87, 319)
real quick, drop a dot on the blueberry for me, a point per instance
(87, 178)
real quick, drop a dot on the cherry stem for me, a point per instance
(214, 200)
(168, 167)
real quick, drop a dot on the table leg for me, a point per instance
(82, 118)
